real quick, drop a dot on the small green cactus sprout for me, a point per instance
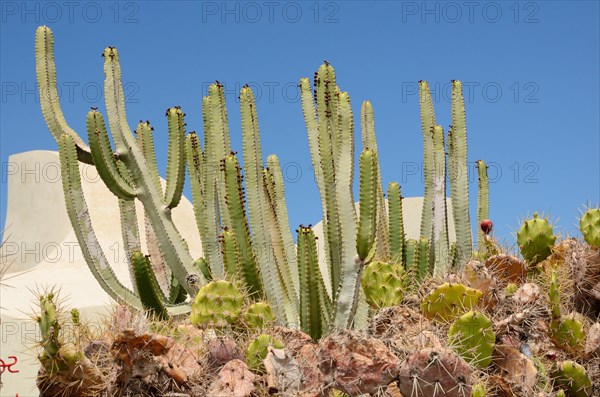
(567, 333)
(589, 224)
(535, 239)
(258, 350)
(448, 301)
(510, 289)
(573, 378)
(383, 284)
(217, 304)
(561, 393)
(259, 315)
(479, 390)
(472, 337)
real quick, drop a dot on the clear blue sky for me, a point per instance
(531, 69)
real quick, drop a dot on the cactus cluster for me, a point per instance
(242, 216)
(426, 316)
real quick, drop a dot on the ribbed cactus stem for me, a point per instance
(49, 98)
(130, 233)
(145, 138)
(427, 124)
(234, 197)
(172, 246)
(440, 244)
(396, 223)
(483, 199)
(150, 292)
(554, 295)
(459, 181)
(82, 225)
(176, 157)
(278, 279)
(311, 314)
(369, 141)
(104, 159)
(230, 253)
(423, 260)
(367, 223)
(206, 209)
(49, 331)
(411, 257)
(216, 146)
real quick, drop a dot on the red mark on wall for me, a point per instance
(4, 366)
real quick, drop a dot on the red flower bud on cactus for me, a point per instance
(486, 226)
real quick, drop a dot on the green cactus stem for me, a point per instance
(313, 297)
(151, 295)
(396, 223)
(483, 200)
(367, 121)
(367, 224)
(459, 178)
(439, 237)
(427, 124)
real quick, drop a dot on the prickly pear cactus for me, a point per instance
(259, 315)
(473, 338)
(535, 239)
(383, 284)
(258, 350)
(217, 304)
(573, 378)
(567, 333)
(589, 224)
(448, 301)
(435, 372)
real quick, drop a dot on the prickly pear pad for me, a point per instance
(383, 284)
(448, 301)
(573, 378)
(535, 239)
(217, 304)
(567, 333)
(473, 338)
(258, 350)
(589, 224)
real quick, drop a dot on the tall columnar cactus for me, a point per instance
(427, 124)
(124, 170)
(439, 239)
(396, 223)
(536, 239)
(589, 224)
(483, 200)
(314, 301)
(368, 141)
(459, 178)
(249, 241)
